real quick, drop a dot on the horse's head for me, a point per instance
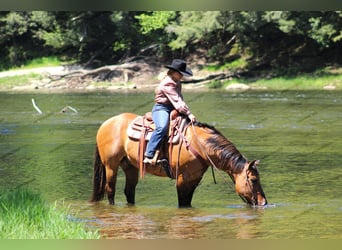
(248, 186)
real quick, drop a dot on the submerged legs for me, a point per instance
(132, 177)
(185, 191)
(110, 184)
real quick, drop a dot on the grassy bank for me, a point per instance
(10, 82)
(39, 62)
(302, 82)
(324, 78)
(24, 215)
(327, 78)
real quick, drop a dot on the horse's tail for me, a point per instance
(99, 178)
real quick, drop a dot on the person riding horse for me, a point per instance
(168, 97)
(205, 147)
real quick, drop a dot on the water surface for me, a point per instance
(295, 134)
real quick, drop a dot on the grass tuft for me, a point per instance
(24, 215)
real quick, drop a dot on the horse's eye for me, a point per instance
(254, 181)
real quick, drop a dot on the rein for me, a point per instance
(213, 165)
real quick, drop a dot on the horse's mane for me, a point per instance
(230, 157)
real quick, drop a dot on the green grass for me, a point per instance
(328, 76)
(42, 62)
(308, 81)
(19, 80)
(24, 215)
(36, 63)
(300, 82)
(12, 81)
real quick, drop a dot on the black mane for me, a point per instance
(230, 157)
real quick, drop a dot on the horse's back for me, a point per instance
(111, 135)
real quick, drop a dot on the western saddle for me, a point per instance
(141, 129)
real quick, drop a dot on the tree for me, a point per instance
(96, 38)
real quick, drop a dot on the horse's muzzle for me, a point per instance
(261, 201)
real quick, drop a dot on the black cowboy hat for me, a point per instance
(180, 66)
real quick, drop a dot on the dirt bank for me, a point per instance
(132, 76)
(137, 75)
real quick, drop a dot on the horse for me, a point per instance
(205, 147)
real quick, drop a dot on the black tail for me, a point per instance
(99, 178)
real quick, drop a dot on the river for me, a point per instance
(295, 134)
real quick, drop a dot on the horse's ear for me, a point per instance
(253, 164)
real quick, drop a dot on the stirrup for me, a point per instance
(152, 161)
(148, 161)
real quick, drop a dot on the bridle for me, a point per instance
(250, 189)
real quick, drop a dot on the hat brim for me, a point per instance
(187, 71)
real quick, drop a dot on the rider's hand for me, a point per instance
(192, 118)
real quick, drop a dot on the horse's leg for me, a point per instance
(185, 191)
(132, 177)
(111, 176)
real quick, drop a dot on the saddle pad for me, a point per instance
(136, 127)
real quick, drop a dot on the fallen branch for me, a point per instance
(104, 72)
(36, 107)
(65, 109)
(209, 78)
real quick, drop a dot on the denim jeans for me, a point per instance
(161, 118)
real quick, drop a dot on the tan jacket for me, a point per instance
(170, 92)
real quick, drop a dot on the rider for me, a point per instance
(168, 96)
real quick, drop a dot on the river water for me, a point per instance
(295, 134)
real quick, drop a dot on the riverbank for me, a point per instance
(24, 215)
(54, 79)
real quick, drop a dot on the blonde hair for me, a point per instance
(171, 71)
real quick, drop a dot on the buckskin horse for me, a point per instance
(204, 146)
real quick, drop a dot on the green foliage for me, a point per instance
(119, 45)
(323, 33)
(323, 27)
(281, 19)
(103, 37)
(55, 39)
(14, 24)
(155, 20)
(192, 26)
(233, 65)
(24, 215)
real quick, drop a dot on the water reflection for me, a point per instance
(131, 222)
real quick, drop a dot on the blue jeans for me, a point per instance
(161, 118)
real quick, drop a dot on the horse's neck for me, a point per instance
(220, 151)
